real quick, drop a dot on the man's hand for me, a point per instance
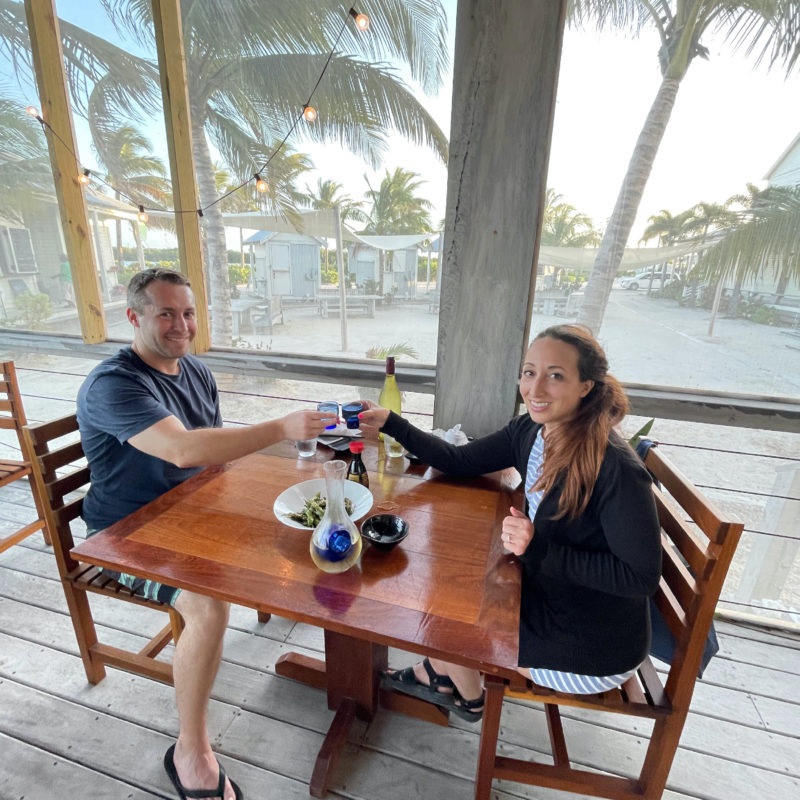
(517, 532)
(304, 424)
(373, 418)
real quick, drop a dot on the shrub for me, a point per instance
(34, 309)
(330, 275)
(237, 274)
(672, 291)
(380, 352)
(766, 316)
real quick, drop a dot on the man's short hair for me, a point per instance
(138, 298)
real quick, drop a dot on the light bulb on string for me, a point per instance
(84, 177)
(33, 111)
(142, 215)
(362, 20)
(261, 185)
(309, 113)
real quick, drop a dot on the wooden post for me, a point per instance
(175, 97)
(505, 72)
(337, 225)
(48, 64)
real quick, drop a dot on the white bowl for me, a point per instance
(292, 500)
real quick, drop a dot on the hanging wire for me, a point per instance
(362, 23)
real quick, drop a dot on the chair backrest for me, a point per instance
(12, 413)
(696, 555)
(60, 480)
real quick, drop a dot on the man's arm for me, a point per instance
(170, 441)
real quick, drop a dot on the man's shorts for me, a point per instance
(142, 587)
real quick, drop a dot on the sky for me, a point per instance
(731, 122)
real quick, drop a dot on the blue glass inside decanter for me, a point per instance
(337, 545)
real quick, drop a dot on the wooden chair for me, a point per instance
(12, 417)
(695, 562)
(61, 485)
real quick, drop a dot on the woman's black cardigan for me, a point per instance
(587, 582)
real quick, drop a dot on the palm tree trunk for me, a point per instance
(137, 237)
(609, 255)
(217, 264)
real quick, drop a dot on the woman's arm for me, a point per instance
(487, 454)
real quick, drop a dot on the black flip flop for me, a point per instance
(190, 794)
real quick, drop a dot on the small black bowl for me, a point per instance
(384, 531)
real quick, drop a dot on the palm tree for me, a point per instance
(396, 206)
(251, 67)
(328, 194)
(665, 227)
(287, 167)
(765, 240)
(124, 154)
(564, 226)
(24, 164)
(767, 27)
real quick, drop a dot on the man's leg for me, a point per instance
(197, 657)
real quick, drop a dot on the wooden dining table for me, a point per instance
(448, 590)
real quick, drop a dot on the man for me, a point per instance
(66, 281)
(149, 419)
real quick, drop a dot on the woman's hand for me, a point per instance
(372, 418)
(517, 532)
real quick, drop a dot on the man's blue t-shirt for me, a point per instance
(121, 397)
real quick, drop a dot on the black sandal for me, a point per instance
(406, 682)
(466, 709)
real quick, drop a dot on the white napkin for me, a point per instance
(456, 436)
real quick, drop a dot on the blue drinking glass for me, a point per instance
(350, 412)
(329, 406)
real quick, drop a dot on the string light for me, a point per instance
(309, 114)
(362, 20)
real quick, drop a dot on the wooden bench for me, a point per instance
(328, 305)
(696, 557)
(787, 313)
(268, 314)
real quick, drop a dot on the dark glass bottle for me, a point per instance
(357, 471)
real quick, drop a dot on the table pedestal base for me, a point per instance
(350, 675)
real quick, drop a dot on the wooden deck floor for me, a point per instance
(62, 738)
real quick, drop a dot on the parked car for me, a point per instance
(642, 279)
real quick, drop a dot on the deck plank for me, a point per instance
(55, 777)
(742, 739)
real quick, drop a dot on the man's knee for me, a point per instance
(203, 610)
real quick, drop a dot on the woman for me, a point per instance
(589, 543)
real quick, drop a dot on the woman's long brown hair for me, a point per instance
(574, 451)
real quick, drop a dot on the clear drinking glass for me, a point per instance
(331, 407)
(306, 447)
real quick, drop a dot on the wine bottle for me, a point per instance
(390, 398)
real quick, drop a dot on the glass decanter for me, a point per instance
(336, 542)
